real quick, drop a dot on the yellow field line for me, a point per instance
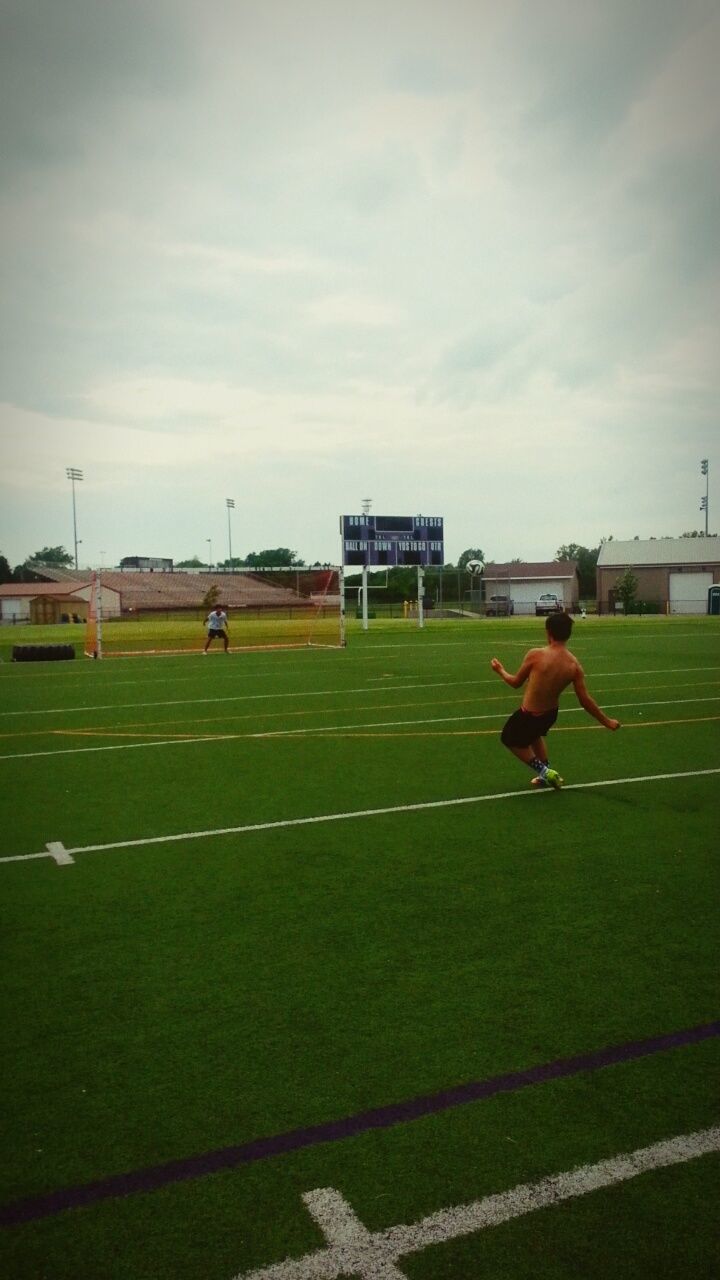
(350, 733)
(273, 715)
(254, 715)
(486, 733)
(129, 732)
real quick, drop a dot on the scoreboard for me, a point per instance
(389, 541)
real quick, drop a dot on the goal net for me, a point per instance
(143, 612)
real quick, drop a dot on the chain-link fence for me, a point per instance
(452, 593)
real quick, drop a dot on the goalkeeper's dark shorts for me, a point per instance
(524, 727)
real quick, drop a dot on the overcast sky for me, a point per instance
(457, 256)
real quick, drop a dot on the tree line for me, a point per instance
(585, 557)
(272, 558)
(31, 569)
(59, 558)
(403, 580)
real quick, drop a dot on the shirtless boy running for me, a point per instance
(548, 671)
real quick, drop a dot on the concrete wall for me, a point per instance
(14, 609)
(109, 596)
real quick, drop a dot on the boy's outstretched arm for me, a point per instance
(589, 703)
(520, 676)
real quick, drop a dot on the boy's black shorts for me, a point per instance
(523, 728)
(214, 631)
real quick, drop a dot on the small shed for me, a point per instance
(673, 574)
(51, 602)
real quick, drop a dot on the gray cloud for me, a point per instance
(61, 61)
(374, 261)
(592, 60)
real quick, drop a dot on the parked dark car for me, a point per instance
(499, 607)
(547, 603)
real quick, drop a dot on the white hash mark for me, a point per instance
(352, 1250)
(57, 850)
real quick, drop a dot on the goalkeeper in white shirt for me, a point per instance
(216, 624)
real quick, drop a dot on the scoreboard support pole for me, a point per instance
(364, 598)
(421, 596)
(343, 609)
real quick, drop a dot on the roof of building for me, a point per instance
(659, 551)
(60, 573)
(145, 589)
(16, 590)
(540, 570)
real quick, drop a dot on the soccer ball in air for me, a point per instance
(474, 568)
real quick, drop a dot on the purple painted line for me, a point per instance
(125, 1184)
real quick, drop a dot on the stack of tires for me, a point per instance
(42, 652)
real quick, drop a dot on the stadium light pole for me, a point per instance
(73, 474)
(230, 504)
(704, 503)
(209, 542)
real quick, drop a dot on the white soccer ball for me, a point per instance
(474, 568)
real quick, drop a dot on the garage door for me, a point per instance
(524, 594)
(688, 592)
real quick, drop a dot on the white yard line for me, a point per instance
(244, 697)
(353, 814)
(183, 740)
(395, 724)
(122, 746)
(329, 693)
(352, 1250)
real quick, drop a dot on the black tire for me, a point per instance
(42, 652)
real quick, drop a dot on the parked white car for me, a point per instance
(547, 603)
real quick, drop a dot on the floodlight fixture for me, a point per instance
(704, 502)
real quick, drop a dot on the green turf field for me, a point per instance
(198, 968)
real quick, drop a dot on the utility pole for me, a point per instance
(73, 474)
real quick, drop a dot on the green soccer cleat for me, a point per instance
(538, 783)
(553, 779)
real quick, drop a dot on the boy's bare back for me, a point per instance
(549, 671)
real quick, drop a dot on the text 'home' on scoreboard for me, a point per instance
(392, 540)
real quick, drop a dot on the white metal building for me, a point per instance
(673, 574)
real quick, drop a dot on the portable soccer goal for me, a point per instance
(165, 613)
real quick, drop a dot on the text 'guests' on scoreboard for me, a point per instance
(380, 541)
